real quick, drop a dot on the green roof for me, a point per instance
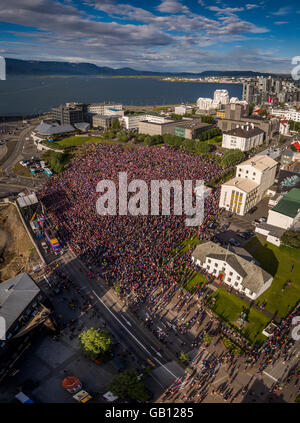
(290, 203)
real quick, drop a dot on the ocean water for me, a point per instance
(22, 96)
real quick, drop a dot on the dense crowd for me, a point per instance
(128, 250)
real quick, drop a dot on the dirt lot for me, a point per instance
(17, 254)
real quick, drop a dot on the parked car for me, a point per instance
(242, 235)
(234, 242)
(252, 210)
(256, 222)
(262, 220)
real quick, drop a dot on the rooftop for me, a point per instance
(290, 203)
(48, 129)
(243, 184)
(193, 124)
(15, 295)
(247, 132)
(260, 162)
(253, 276)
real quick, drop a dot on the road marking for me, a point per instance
(158, 353)
(118, 320)
(46, 279)
(127, 321)
(270, 376)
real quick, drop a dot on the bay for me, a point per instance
(27, 95)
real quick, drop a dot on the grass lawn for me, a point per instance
(229, 307)
(23, 171)
(278, 262)
(186, 245)
(197, 279)
(72, 141)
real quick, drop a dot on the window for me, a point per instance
(238, 278)
(228, 279)
(247, 171)
(207, 267)
(236, 284)
(216, 264)
(239, 175)
(254, 173)
(208, 260)
(230, 273)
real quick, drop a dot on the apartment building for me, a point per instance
(242, 275)
(243, 137)
(290, 114)
(250, 185)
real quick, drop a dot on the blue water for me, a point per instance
(37, 95)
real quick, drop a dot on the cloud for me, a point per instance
(226, 10)
(251, 6)
(282, 11)
(172, 6)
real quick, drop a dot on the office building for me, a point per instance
(235, 271)
(287, 211)
(104, 121)
(69, 113)
(249, 92)
(249, 186)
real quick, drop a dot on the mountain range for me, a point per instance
(48, 68)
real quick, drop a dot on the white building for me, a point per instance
(221, 97)
(2, 69)
(205, 103)
(284, 128)
(105, 109)
(243, 138)
(237, 272)
(183, 109)
(132, 121)
(253, 178)
(290, 114)
(286, 212)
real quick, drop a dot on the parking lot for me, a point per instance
(237, 225)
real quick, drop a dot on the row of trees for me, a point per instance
(232, 158)
(211, 133)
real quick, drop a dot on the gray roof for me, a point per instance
(239, 132)
(273, 230)
(254, 277)
(288, 153)
(15, 295)
(51, 129)
(82, 125)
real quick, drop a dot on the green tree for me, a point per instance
(291, 239)
(122, 136)
(116, 124)
(128, 384)
(183, 357)
(95, 344)
(251, 108)
(56, 161)
(232, 157)
(117, 288)
(176, 117)
(202, 148)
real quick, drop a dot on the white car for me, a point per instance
(23, 163)
(262, 219)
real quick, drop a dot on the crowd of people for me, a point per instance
(128, 250)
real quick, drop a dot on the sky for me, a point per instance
(155, 35)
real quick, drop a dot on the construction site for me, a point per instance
(17, 253)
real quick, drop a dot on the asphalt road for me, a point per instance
(125, 329)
